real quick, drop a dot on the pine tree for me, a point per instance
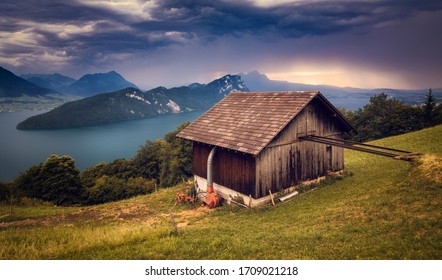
(429, 110)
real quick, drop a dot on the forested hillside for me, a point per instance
(132, 103)
(384, 116)
(162, 163)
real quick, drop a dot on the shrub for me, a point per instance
(57, 180)
(5, 192)
(108, 188)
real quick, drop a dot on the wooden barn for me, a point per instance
(255, 142)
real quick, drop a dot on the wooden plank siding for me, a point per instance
(287, 161)
(230, 168)
(257, 135)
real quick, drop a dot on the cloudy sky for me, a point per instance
(370, 44)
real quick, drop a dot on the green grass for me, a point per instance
(387, 209)
(30, 209)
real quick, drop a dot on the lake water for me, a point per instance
(349, 103)
(20, 149)
(90, 145)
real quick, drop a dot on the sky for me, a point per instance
(358, 43)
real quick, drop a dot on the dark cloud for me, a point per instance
(50, 11)
(82, 33)
(206, 20)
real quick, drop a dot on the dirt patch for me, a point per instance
(127, 213)
(88, 215)
(184, 218)
(431, 167)
(198, 211)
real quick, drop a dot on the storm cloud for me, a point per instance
(75, 36)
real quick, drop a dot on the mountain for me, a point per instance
(54, 81)
(92, 84)
(227, 84)
(132, 103)
(346, 97)
(260, 82)
(14, 86)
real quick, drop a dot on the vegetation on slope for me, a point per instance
(387, 210)
(384, 116)
(162, 163)
(131, 103)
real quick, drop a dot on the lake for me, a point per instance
(20, 149)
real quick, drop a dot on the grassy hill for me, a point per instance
(386, 209)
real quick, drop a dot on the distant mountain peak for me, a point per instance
(92, 84)
(12, 85)
(55, 81)
(254, 76)
(228, 84)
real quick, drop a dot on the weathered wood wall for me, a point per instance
(287, 161)
(234, 170)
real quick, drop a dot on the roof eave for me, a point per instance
(346, 123)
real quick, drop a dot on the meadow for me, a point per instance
(382, 209)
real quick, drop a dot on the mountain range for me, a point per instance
(57, 82)
(132, 103)
(47, 91)
(14, 86)
(122, 100)
(347, 97)
(88, 85)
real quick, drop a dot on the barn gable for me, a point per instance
(258, 133)
(248, 121)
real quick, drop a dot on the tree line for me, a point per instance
(159, 163)
(384, 116)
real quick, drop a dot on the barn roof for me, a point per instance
(248, 121)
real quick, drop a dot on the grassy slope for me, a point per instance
(387, 210)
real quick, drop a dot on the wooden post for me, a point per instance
(173, 222)
(271, 196)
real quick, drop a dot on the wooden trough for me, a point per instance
(362, 147)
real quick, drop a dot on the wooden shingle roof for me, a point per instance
(247, 121)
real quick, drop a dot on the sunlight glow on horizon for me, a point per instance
(342, 78)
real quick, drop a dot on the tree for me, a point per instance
(429, 110)
(176, 158)
(5, 192)
(8, 193)
(108, 188)
(146, 163)
(383, 117)
(56, 180)
(89, 175)
(28, 182)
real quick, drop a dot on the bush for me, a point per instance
(147, 162)
(57, 180)
(5, 192)
(384, 116)
(176, 158)
(108, 189)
